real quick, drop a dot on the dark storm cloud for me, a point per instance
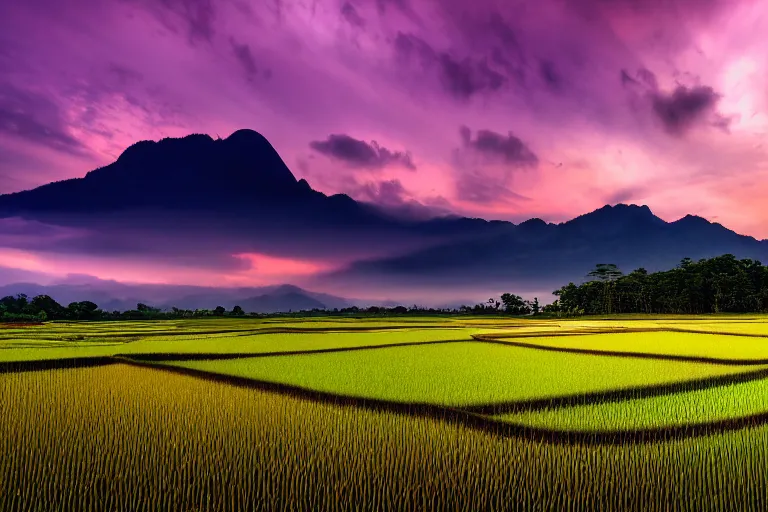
(32, 116)
(678, 110)
(361, 154)
(684, 107)
(509, 148)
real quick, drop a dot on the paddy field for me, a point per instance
(456, 413)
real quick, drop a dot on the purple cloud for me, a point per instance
(465, 78)
(491, 145)
(685, 106)
(360, 154)
(486, 165)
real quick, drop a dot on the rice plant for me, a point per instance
(125, 438)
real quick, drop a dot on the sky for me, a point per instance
(496, 109)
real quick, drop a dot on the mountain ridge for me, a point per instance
(249, 150)
(243, 184)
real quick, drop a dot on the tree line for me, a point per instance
(723, 284)
(22, 309)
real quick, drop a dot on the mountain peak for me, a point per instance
(533, 223)
(195, 171)
(287, 288)
(692, 219)
(623, 207)
(609, 220)
(619, 210)
(246, 134)
(135, 149)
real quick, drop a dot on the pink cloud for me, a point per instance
(280, 269)
(259, 269)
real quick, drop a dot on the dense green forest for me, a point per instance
(722, 284)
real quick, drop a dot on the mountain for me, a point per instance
(241, 176)
(200, 202)
(539, 255)
(236, 188)
(289, 301)
(242, 173)
(190, 172)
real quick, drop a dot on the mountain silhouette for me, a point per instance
(242, 174)
(535, 253)
(243, 179)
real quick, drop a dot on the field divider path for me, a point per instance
(470, 418)
(618, 330)
(719, 333)
(615, 395)
(505, 340)
(35, 365)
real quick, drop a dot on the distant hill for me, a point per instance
(111, 296)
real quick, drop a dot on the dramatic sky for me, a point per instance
(501, 109)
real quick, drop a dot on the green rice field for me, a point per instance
(459, 374)
(664, 343)
(462, 413)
